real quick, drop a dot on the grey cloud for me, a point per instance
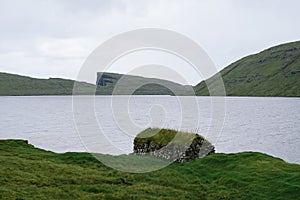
(35, 35)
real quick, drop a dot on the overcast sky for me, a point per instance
(52, 38)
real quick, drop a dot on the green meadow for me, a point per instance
(27, 172)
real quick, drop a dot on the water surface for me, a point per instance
(269, 125)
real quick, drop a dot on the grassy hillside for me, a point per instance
(16, 85)
(272, 72)
(138, 85)
(30, 173)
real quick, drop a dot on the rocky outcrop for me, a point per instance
(103, 79)
(172, 145)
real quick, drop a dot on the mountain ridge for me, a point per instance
(274, 71)
(18, 85)
(114, 83)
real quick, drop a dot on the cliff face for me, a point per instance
(124, 84)
(172, 145)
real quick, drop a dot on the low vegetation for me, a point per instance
(27, 172)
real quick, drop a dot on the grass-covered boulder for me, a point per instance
(171, 145)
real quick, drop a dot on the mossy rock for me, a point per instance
(172, 145)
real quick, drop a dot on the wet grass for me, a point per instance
(30, 173)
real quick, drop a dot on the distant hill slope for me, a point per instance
(16, 85)
(272, 72)
(112, 83)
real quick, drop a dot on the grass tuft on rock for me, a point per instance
(165, 136)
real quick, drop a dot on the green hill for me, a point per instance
(272, 72)
(129, 84)
(16, 85)
(30, 173)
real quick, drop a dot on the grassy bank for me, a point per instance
(30, 173)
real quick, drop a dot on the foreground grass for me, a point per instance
(30, 173)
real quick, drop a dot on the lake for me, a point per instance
(269, 125)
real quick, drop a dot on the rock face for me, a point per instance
(172, 145)
(103, 79)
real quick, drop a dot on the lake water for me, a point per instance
(269, 125)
